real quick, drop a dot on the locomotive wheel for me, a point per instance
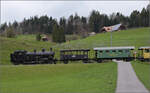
(99, 61)
(128, 60)
(54, 62)
(16, 63)
(65, 62)
(85, 61)
(50, 62)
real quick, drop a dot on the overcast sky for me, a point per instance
(18, 10)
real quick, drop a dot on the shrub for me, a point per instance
(10, 33)
(72, 37)
(38, 37)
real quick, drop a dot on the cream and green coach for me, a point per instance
(109, 53)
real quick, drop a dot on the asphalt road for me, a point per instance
(127, 81)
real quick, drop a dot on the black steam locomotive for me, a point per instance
(24, 57)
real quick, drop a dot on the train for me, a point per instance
(99, 54)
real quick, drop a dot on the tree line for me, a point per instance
(76, 24)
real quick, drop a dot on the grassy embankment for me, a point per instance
(143, 72)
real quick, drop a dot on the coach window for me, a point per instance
(120, 50)
(107, 51)
(65, 53)
(86, 52)
(100, 51)
(80, 53)
(83, 52)
(127, 50)
(113, 50)
(147, 50)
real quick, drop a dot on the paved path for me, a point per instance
(127, 80)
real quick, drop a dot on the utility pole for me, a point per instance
(114, 28)
(111, 38)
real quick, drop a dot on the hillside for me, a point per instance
(132, 37)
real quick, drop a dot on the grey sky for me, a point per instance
(18, 10)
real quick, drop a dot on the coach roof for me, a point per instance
(114, 48)
(146, 47)
(70, 50)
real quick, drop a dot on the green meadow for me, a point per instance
(72, 77)
(59, 78)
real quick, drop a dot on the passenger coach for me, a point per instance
(144, 54)
(74, 55)
(109, 53)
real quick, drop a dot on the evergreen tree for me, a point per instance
(3, 27)
(38, 37)
(62, 23)
(84, 22)
(135, 19)
(143, 16)
(58, 34)
(10, 33)
(94, 21)
(70, 26)
(76, 24)
(54, 33)
(61, 35)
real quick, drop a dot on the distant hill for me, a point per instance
(132, 37)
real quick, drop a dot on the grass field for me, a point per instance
(143, 72)
(60, 78)
(132, 37)
(70, 78)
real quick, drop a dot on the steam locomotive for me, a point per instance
(25, 57)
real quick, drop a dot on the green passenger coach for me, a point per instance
(121, 53)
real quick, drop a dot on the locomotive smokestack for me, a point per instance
(51, 49)
(34, 51)
(43, 50)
